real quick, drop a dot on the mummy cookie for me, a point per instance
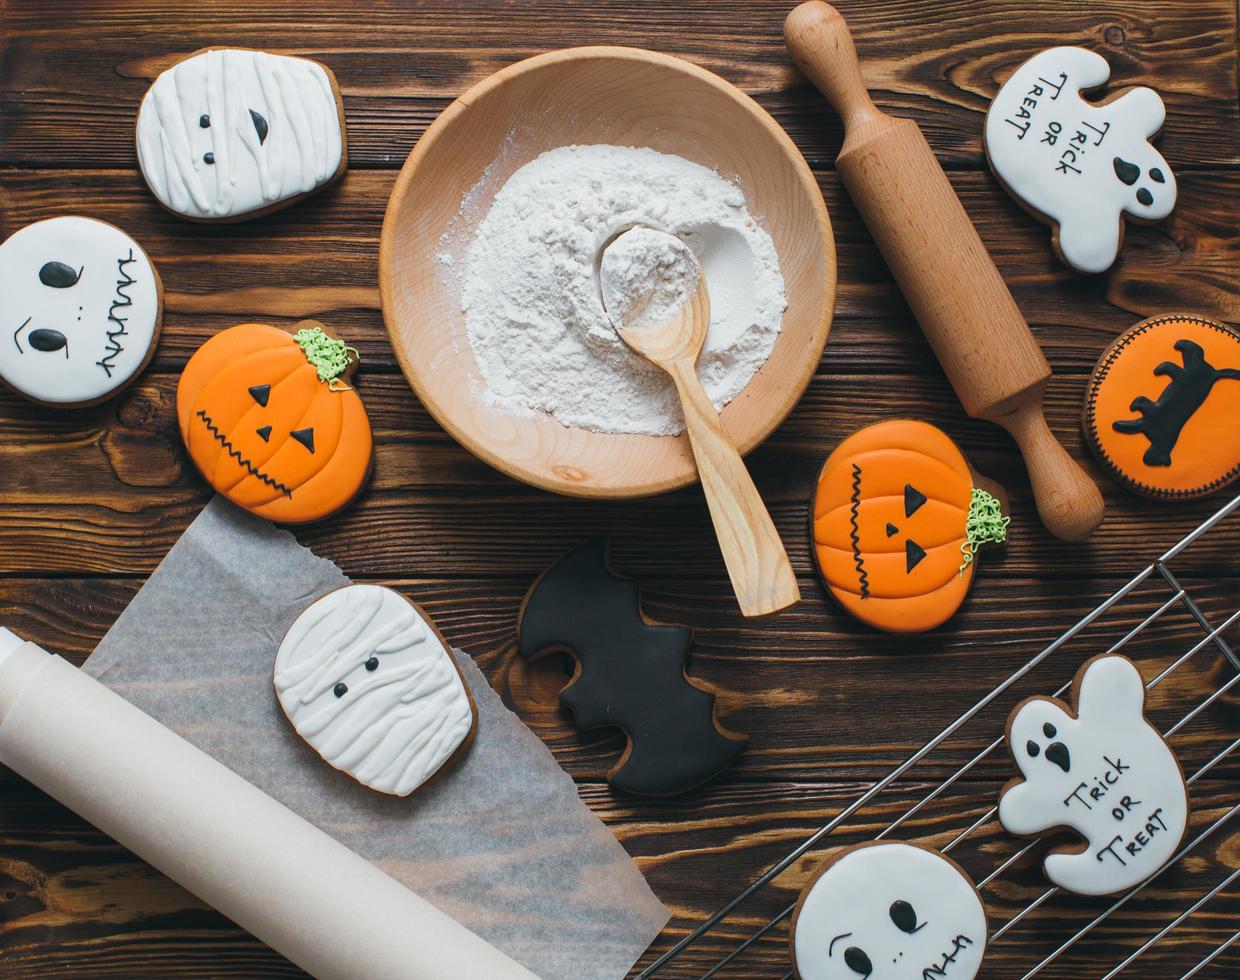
(1162, 409)
(1102, 771)
(272, 423)
(81, 305)
(370, 684)
(630, 674)
(1079, 165)
(897, 519)
(228, 134)
(888, 911)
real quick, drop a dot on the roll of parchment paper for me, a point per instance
(311, 899)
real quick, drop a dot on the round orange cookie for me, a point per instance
(896, 521)
(270, 423)
(1163, 408)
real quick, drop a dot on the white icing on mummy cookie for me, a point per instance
(1079, 164)
(1105, 773)
(228, 133)
(889, 911)
(366, 681)
(80, 304)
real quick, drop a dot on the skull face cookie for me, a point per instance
(81, 305)
(888, 911)
(1077, 164)
(1103, 772)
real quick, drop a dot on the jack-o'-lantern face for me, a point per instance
(890, 515)
(269, 428)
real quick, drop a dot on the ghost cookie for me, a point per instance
(897, 518)
(1162, 409)
(369, 683)
(1076, 164)
(81, 305)
(1102, 771)
(228, 134)
(888, 911)
(272, 423)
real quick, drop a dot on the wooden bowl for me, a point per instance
(623, 96)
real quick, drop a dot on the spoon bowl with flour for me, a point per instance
(658, 299)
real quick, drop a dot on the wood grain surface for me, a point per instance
(91, 500)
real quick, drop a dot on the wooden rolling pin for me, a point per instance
(941, 265)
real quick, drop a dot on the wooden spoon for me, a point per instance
(758, 566)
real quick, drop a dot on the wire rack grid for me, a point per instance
(1212, 639)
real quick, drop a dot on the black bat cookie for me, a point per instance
(630, 674)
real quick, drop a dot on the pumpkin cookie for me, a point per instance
(1162, 407)
(272, 424)
(897, 519)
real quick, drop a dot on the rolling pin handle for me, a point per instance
(1068, 501)
(819, 42)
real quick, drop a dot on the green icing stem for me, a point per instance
(984, 524)
(329, 356)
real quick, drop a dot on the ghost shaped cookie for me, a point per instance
(227, 134)
(897, 518)
(1081, 166)
(888, 911)
(81, 303)
(1102, 771)
(369, 683)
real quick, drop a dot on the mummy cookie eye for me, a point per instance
(260, 126)
(208, 157)
(372, 663)
(904, 916)
(305, 437)
(59, 275)
(204, 121)
(857, 961)
(260, 393)
(341, 689)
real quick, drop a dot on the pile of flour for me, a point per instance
(530, 287)
(646, 276)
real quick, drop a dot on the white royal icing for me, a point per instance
(1107, 774)
(274, 131)
(890, 911)
(392, 727)
(1079, 163)
(80, 308)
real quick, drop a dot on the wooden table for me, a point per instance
(91, 500)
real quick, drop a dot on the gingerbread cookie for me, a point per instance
(83, 303)
(1102, 771)
(271, 422)
(888, 911)
(1162, 407)
(897, 519)
(228, 134)
(369, 683)
(1079, 165)
(630, 674)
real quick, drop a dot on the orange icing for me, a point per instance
(1180, 448)
(884, 592)
(277, 477)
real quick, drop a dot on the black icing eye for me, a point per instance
(904, 916)
(857, 961)
(264, 433)
(47, 340)
(913, 499)
(260, 126)
(1145, 197)
(1033, 749)
(1156, 176)
(1129, 173)
(372, 663)
(1048, 730)
(913, 554)
(204, 121)
(892, 530)
(58, 275)
(341, 689)
(260, 393)
(305, 437)
(208, 157)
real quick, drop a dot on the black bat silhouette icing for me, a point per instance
(630, 674)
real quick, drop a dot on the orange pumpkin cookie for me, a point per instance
(1162, 407)
(271, 424)
(897, 520)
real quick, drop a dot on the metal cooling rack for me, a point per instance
(1213, 638)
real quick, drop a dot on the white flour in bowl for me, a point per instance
(530, 291)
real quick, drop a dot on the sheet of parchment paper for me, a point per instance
(501, 841)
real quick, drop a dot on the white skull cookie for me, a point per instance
(80, 301)
(1079, 164)
(888, 911)
(1103, 772)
